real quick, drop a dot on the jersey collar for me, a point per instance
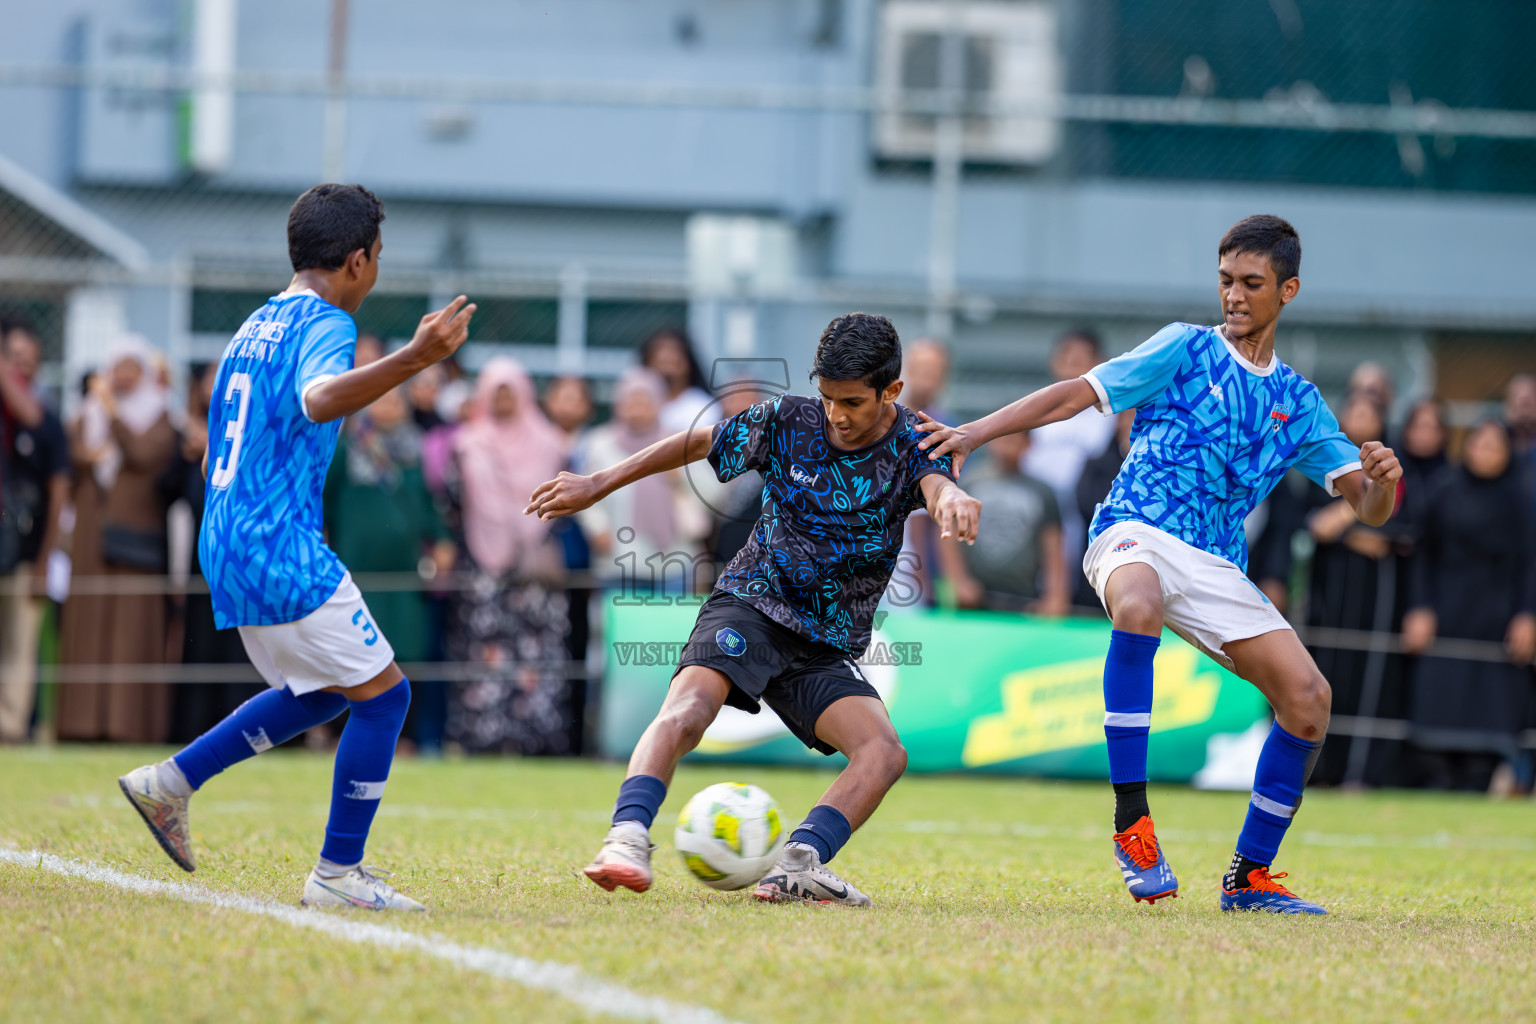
(1243, 361)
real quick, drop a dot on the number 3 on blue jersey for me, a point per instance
(224, 472)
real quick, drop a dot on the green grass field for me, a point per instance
(995, 900)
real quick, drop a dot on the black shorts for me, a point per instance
(796, 677)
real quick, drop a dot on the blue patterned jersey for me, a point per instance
(823, 552)
(1213, 436)
(261, 545)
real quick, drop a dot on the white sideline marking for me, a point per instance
(560, 979)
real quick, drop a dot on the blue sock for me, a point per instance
(825, 830)
(261, 723)
(1128, 703)
(363, 757)
(1284, 764)
(640, 798)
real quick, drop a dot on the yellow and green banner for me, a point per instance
(966, 692)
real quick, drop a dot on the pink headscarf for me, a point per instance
(502, 461)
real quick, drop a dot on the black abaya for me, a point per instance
(1475, 571)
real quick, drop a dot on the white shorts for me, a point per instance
(1206, 599)
(337, 644)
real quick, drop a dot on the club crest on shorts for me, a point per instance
(731, 642)
(1125, 545)
(1279, 416)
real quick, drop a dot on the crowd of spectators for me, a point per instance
(1428, 622)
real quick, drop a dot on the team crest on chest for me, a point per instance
(1279, 416)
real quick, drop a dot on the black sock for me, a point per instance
(1237, 874)
(1130, 804)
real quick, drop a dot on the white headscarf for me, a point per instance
(139, 409)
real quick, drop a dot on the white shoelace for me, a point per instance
(375, 877)
(632, 842)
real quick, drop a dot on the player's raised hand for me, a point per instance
(565, 495)
(1380, 464)
(943, 439)
(958, 515)
(442, 331)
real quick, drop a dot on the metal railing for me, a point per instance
(1291, 112)
(1363, 728)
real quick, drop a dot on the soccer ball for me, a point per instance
(729, 835)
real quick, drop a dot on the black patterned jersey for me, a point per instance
(823, 552)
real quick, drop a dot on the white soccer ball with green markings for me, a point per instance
(729, 835)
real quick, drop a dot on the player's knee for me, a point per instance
(1321, 698)
(1139, 613)
(687, 717)
(883, 756)
(1309, 704)
(1317, 696)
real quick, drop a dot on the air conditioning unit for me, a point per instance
(734, 254)
(1010, 56)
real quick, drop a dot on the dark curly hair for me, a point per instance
(1266, 235)
(859, 346)
(330, 221)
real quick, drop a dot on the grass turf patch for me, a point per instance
(995, 899)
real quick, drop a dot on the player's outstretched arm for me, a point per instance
(1372, 489)
(569, 493)
(957, 513)
(438, 336)
(1059, 401)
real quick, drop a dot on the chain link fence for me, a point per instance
(594, 171)
(1328, 62)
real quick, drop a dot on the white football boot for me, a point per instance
(163, 811)
(625, 858)
(359, 887)
(799, 876)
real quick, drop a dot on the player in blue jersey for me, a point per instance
(794, 609)
(1219, 420)
(284, 384)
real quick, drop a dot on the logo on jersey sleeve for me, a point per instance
(1279, 416)
(731, 642)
